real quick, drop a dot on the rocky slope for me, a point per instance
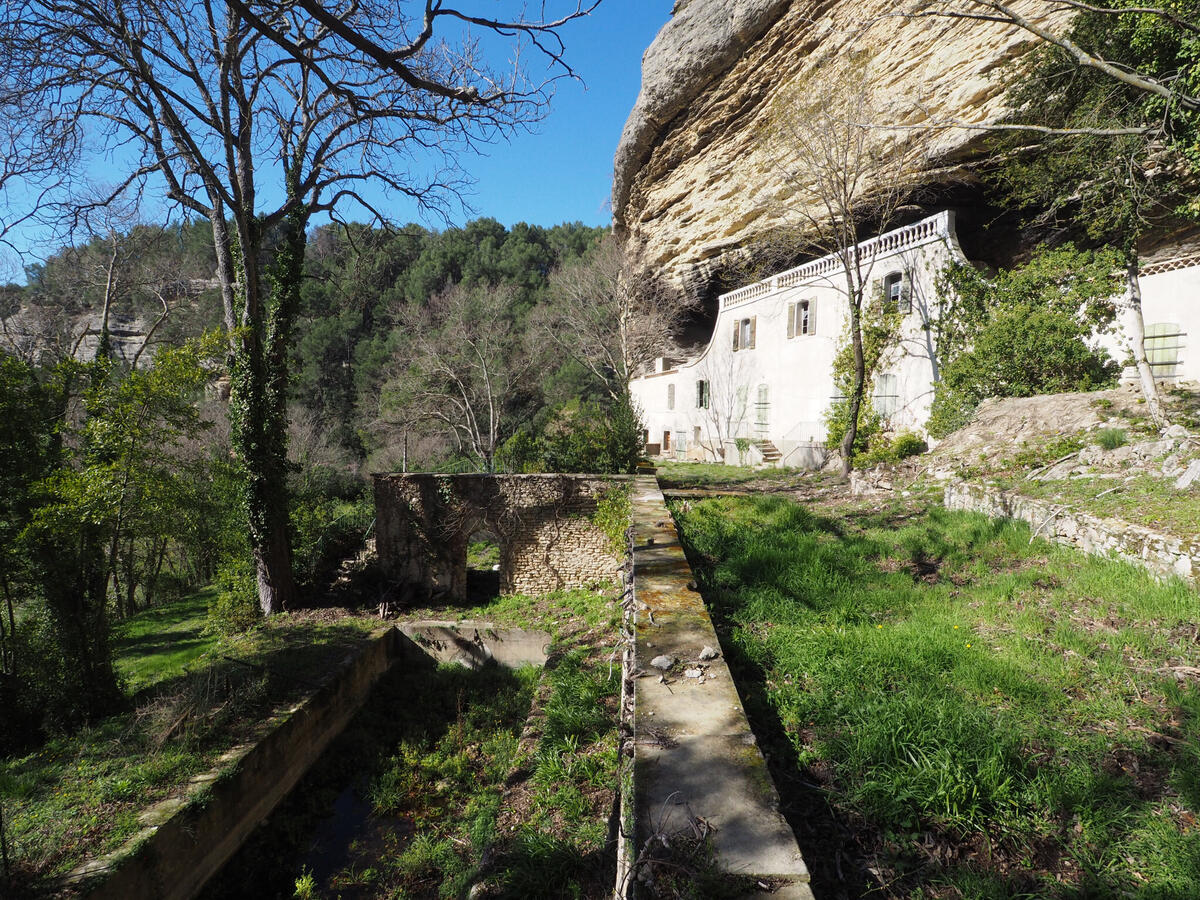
(692, 180)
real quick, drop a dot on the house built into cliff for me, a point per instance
(765, 380)
(759, 391)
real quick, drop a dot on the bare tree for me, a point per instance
(611, 315)
(459, 368)
(1051, 22)
(841, 174)
(258, 115)
(727, 397)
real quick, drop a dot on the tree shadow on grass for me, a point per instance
(1131, 782)
(541, 866)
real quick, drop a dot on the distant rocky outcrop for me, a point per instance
(692, 183)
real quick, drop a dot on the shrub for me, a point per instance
(837, 420)
(1112, 438)
(235, 608)
(885, 450)
(907, 444)
(614, 513)
(1023, 332)
(325, 530)
(593, 438)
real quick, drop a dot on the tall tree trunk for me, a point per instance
(1137, 340)
(856, 394)
(259, 418)
(258, 404)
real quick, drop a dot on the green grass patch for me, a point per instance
(1112, 438)
(948, 683)
(161, 642)
(79, 795)
(1148, 500)
(673, 474)
(573, 609)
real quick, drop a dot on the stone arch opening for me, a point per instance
(544, 526)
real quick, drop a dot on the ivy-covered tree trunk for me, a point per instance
(258, 402)
(860, 380)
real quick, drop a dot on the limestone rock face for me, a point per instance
(692, 180)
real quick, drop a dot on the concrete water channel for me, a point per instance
(339, 831)
(693, 765)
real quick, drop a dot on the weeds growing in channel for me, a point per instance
(989, 712)
(450, 778)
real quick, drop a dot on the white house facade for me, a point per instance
(1170, 288)
(760, 389)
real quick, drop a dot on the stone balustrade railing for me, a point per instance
(887, 244)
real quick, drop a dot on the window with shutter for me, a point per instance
(670, 396)
(804, 317)
(892, 289)
(753, 320)
(887, 395)
(743, 334)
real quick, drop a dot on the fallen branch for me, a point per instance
(1045, 468)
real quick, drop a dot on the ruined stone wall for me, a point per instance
(544, 525)
(1162, 554)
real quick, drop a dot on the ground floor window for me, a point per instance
(887, 395)
(1164, 340)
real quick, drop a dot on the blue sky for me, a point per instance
(564, 172)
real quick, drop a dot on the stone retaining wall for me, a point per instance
(544, 524)
(1162, 554)
(697, 767)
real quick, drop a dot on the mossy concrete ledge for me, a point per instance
(697, 765)
(1163, 554)
(184, 841)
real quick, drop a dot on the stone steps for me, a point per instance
(770, 453)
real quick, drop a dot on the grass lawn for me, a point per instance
(953, 711)
(1149, 500)
(682, 475)
(160, 643)
(79, 795)
(494, 778)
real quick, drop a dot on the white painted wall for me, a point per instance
(1170, 295)
(797, 372)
